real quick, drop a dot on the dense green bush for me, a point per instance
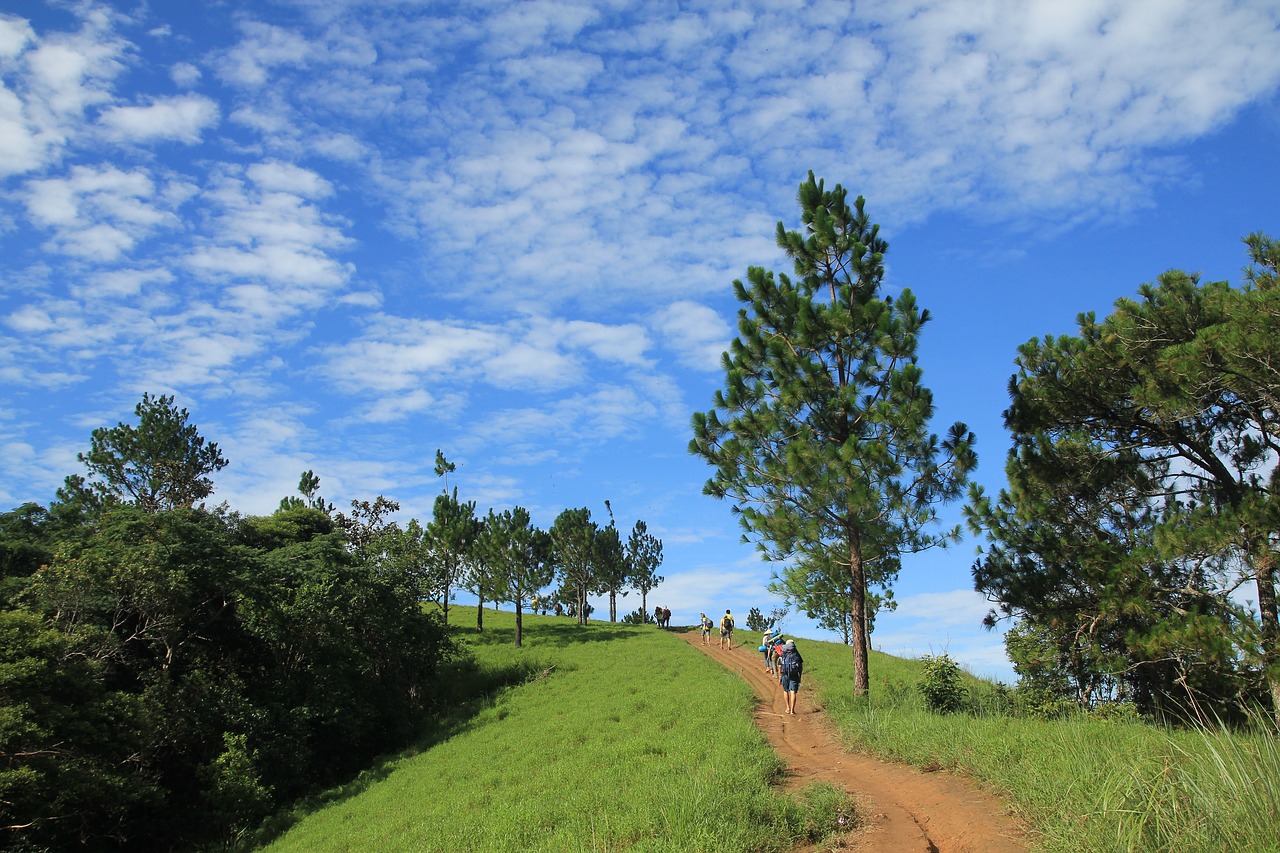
(941, 684)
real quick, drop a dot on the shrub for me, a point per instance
(940, 683)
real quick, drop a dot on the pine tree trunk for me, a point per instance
(1264, 572)
(858, 620)
(519, 624)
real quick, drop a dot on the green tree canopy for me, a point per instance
(573, 542)
(162, 463)
(643, 556)
(1144, 471)
(519, 556)
(450, 537)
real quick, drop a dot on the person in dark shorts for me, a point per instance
(726, 630)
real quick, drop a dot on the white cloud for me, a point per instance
(530, 355)
(276, 176)
(397, 355)
(15, 35)
(264, 48)
(98, 213)
(185, 74)
(182, 119)
(71, 74)
(47, 84)
(624, 344)
(696, 334)
(271, 242)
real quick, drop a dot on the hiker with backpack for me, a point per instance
(790, 667)
(766, 646)
(726, 631)
(706, 630)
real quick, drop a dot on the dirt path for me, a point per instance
(907, 810)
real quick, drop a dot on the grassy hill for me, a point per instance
(607, 737)
(615, 737)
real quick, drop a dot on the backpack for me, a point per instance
(728, 622)
(791, 663)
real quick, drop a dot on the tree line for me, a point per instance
(171, 672)
(1135, 545)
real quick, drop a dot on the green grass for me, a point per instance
(619, 737)
(1083, 784)
(609, 737)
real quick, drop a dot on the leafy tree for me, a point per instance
(367, 529)
(1073, 555)
(451, 536)
(1172, 390)
(162, 463)
(1057, 668)
(170, 676)
(25, 545)
(350, 655)
(820, 436)
(643, 556)
(519, 555)
(68, 749)
(610, 564)
(481, 577)
(309, 488)
(573, 542)
(151, 602)
(409, 557)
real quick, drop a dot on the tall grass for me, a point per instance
(1083, 784)
(613, 737)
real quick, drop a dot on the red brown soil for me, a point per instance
(903, 809)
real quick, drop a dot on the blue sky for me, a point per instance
(346, 234)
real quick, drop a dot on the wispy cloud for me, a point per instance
(182, 119)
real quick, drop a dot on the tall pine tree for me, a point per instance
(821, 434)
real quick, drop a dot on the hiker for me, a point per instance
(726, 630)
(790, 665)
(776, 650)
(766, 646)
(657, 615)
(666, 617)
(706, 630)
(559, 608)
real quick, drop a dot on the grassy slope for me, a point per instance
(614, 737)
(620, 737)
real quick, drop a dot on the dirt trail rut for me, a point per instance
(905, 809)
